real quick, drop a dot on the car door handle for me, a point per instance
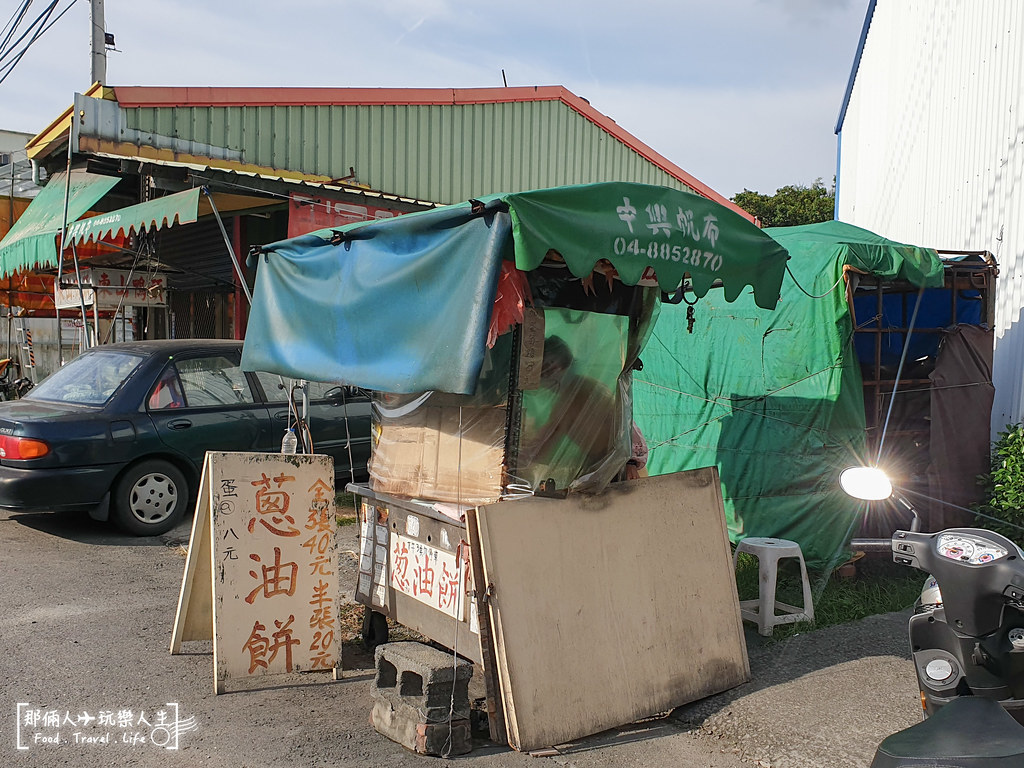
(281, 415)
(179, 424)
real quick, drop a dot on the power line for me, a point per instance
(38, 21)
(41, 24)
(13, 23)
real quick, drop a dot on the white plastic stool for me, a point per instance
(762, 611)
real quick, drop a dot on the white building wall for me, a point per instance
(15, 169)
(931, 148)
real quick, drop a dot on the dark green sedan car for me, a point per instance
(122, 431)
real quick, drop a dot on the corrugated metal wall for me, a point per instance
(200, 280)
(932, 148)
(444, 154)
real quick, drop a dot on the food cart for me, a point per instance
(499, 338)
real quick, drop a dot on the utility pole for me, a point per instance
(98, 68)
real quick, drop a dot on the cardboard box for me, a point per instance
(441, 453)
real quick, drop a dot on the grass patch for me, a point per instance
(345, 504)
(879, 586)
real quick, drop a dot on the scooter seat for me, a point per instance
(969, 732)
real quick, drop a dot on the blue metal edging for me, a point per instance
(856, 65)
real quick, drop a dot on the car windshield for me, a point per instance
(89, 379)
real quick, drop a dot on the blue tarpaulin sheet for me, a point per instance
(398, 307)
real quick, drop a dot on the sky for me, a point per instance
(742, 94)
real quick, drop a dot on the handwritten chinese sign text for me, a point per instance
(275, 563)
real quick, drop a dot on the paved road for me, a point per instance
(86, 625)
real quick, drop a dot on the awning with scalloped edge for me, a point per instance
(649, 235)
(31, 242)
(181, 208)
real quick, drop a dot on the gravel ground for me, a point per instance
(86, 627)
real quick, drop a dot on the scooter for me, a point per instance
(12, 389)
(967, 644)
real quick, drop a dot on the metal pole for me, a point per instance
(95, 321)
(10, 278)
(98, 60)
(899, 372)
(81, 299)
(248, 294)
(74, 256)
(227, 242)
(10, 198)
(112, 330)
(60, 254)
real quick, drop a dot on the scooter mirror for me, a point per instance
(867, 483)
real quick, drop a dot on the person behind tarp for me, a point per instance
(583, 426)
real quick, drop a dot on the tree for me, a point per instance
(791, 205)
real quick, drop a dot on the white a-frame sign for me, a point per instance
(261, 578)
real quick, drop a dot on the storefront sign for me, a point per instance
(308, 214)
(390, 559)
(112, 288)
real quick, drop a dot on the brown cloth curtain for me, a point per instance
(961, 409)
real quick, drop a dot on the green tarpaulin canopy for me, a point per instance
(181, 207)
(644, 231)
(30, 244)
(774, 399)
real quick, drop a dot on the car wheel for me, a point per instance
(150, 498)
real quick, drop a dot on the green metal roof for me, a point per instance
(443, 154)
(438, 145)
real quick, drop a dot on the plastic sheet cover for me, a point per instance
(576, 425)
(960, 441)
(445, 447)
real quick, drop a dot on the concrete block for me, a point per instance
(421, 698)
(434, 666)
(403, 725)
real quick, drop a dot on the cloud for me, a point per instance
(815, 11)
(733, 139)
(738, 92)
